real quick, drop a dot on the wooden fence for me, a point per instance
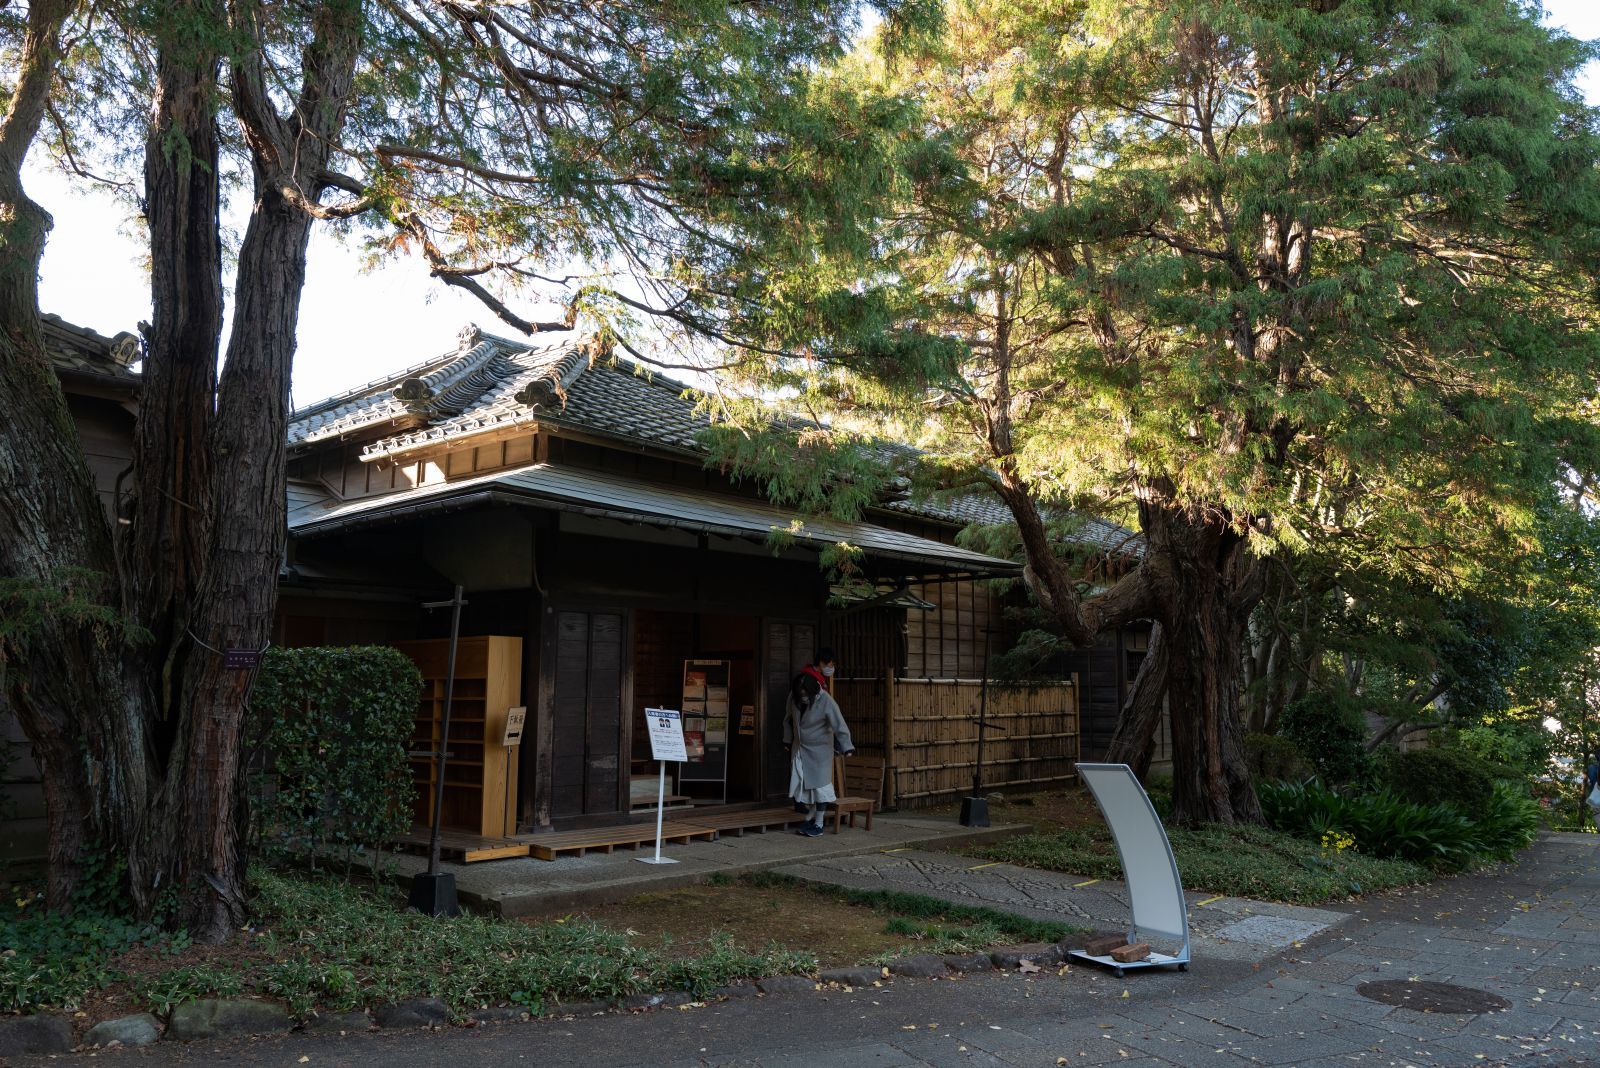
(928, 731)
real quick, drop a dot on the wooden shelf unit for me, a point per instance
(479, 794)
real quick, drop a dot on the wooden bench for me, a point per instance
(859, 783)
(550, 845)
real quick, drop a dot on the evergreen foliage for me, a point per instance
(1332, 734)
(1302, 283)
(1450, 774)
(331, 725)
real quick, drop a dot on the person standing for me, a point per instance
(813, 729)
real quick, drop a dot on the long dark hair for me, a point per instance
(803, 690)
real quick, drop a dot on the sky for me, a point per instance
(355, 324)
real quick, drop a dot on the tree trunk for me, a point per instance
(59, 621)
(1206, 584)
(1134, 741)
(166, 543)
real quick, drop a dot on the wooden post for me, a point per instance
(891, 780)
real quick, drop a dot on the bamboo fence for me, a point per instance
(927, 729)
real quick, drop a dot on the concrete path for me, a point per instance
(1220, 928)
(1529, 933)
(529, 887)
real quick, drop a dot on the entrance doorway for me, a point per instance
(665, 647)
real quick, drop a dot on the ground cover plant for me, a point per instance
(1386, 825)
(1239, 861)
(319, 944)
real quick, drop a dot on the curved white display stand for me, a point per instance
(1155, 892)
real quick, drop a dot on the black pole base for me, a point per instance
(434, 895)
(974, 812)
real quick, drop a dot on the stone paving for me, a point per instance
(530, 887)
(1220, 928)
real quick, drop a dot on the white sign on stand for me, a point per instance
(666, 743)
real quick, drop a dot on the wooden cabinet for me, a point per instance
(480, 786)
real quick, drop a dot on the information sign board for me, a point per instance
(515, 718)
(666, 734)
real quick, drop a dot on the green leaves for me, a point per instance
(332, 726)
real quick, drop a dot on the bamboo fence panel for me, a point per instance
(932, 735)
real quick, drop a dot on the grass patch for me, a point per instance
(1238, 861)
(922, 907)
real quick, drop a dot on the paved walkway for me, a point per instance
(529, 887)
(1220, 928)
(1528, 932)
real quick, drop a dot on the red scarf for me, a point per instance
(822, 680)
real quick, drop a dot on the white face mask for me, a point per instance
(827, 672)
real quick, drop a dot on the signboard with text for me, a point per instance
(666, 734)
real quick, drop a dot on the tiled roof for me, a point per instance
(490, 382)
(643, 501)
(80, 350)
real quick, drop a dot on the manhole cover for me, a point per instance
(1420, 996)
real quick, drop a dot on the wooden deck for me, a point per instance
(736, 823)
(607, 839)
(689, 825)
(458, 847)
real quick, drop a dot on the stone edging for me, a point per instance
(244, 1017)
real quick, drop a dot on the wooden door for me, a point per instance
(587, 680)
(787, 646)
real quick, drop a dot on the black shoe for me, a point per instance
(812, 830)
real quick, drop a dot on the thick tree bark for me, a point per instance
(60, 641)
(1134, 741)
(1205, 585)
(166, 543)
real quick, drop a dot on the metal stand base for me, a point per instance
(655, 860)
(1154, 960)
(434, 895)
(974, 812)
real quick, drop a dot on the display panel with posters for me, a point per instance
(705, 721)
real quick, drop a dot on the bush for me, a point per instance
(1508, 822)
(1386, 825)
(1331, 733)
(1274, 759)
(331, 727)
(1449, 774)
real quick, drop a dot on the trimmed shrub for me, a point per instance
(1274, 759)
(1449, 774)
(331, 727)
(1331, 733)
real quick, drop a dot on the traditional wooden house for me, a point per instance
(607, 570)
(570, 496)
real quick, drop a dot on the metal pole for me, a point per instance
(454, 603)
(661, 805)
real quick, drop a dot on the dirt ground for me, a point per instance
(1070, 808)
(684, 921)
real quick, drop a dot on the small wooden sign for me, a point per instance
(241, 659)
(515, 718)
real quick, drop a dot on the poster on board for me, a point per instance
(666, 734)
